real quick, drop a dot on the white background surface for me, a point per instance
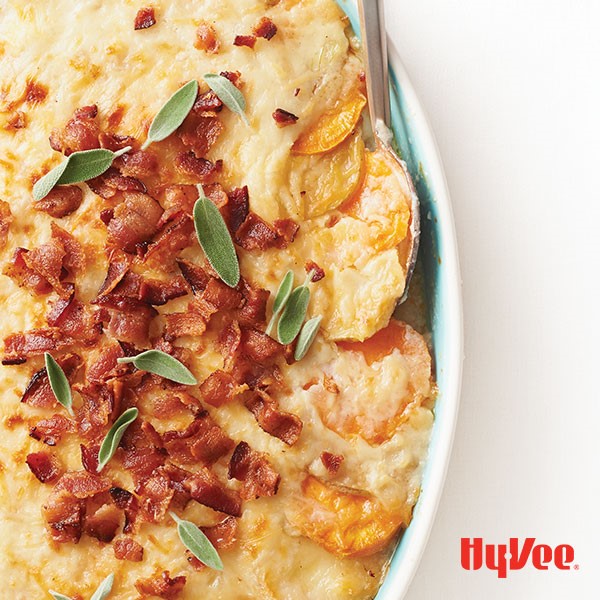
(512, 90)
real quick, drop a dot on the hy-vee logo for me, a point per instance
(515, 555)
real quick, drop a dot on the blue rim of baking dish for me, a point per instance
(438, 256)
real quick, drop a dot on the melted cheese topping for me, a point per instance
(86, 53)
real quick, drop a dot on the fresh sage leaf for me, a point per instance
(113, 437)
(163, 364)
(307, 336)
(104, 588)
(45, 184)
(87, 164)
(228, 94)
(58, 596)
(293, 315)
(197, 543)
(283, 293)
(215, 239)
(173, 113)
(59, 383)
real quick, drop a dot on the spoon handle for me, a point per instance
(372, 25)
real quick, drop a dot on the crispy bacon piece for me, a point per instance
(100, 403)
(285, 426)
(206, 38)
(199, 132)
(118, 265)
(265, 28)
(221, 536)
(144, 18)
(245, 40)
(254, 310)
(233, 76)
(18, 347)
(260, 347)
(237, 209)
(318, 271)
(283, 118)
(219, 388)
(161, 585)
(80, 133)
(63, 513)
(44, 466)
(82, 484)
(138, 163)
(204, 487)
(114, 141)
(140, 455)
(255, 234)
(50, 431)
(38, 391)
(195, 275)
(134, 221)
(201, 441)
(75, 320)
(102, 364)
(47, 261)
(157, 292)
(60, 201)
(74, 260)
(6, 219)
(128, 503)
(286, 230)
(202, 169)
(332, 462)
(89, 457)
(128, 319)
(23, 276)
(126, 548)
(103, 523)
(185, 323)
(155, 496)
(207, 101)
(221, 296)
(254, 470)
(112, 182)
(174, 238)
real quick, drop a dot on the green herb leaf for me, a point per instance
(113, 437)
(293, 315)
(58, 596)
(283, 293)
(215, 239)
(307, 336)
(228, 94)
(173, 113)
(197, 543)
(104, 588)
(163, 364)
(85, 165)
(59, 383)
(45, 184)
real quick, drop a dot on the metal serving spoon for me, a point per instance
(374, 43)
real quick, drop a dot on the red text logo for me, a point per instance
(514, 555)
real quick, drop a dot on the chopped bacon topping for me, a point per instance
(199, 132)
(44, 466)
(74, 260)
(144, 18)
(219, 388)
(128, 319)
(102, 364)
(23, 276)
(206, 38)
(89, 457)
(188, 163)
(75, 320)
(287, 230)
(80, 133)
(222, 535)
(221, 296)
(204, 487)
(254, 470)
(38, 391)
(245, 40)
(185, 323)
(51, 430)
(128, 503)
(260, 347)
(134, 221)
(332, 462)
(60, 201)
(237, 209)
(157, 292)
(155, 496)
(230, 339)
(64, 514)
(285, 426)
(82, 484)
(265, 28)
(138, 163)
(255, 234)
(112, 182)
(233, 76)
(100, 402)
(47, 261)
(283, 118)
(207, 101)
(172, 240)
(254, 309)
(201, 441)
(161, 585)
(126, 548)
(6, 219)
(118, 266)
(104, 523)
(140, 455)
(113, 141)
(18, 347)
(318, 271)
(195, 275)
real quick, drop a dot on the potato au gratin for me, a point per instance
(293, 455)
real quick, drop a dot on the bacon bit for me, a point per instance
(260, 347)
(47, 261)
(195, 275)
(285, 426)
(207, 101)
(17, 121)
(222, 535)
(113, 141)
(18, 347)
(313, 266)
(126, 548)
(60, 201)
(64, 516)
(75, 320)
(6, 219)
(332, 462)
(49, 431)
(245, 40)
(103, 364)
(158, 293)
(283, 118)
(179, 201)
(199, 132)
(38, 391)
(254, 470)
(161, 585)
(44, 466)
(219, 388)
(134, 221)
(74, 260)
(138, 163)
(89, 457)
(128, 503)
(104, 523)
(188, 163)
(221, 296)
(100, 403)
(254, 309)
(140, 456)
(255, 234)
(204, 487)
(265, 28)
(237, 209)
(82, 484)
(206, 38)
(155, 496)
(80, 133)
(230, 339)
(201, 441)
(287, 230)
(233, 76)
(23, 276)
(145, 18)
(118, 265)
(112, 182)
(184, 323)
(172, 240)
